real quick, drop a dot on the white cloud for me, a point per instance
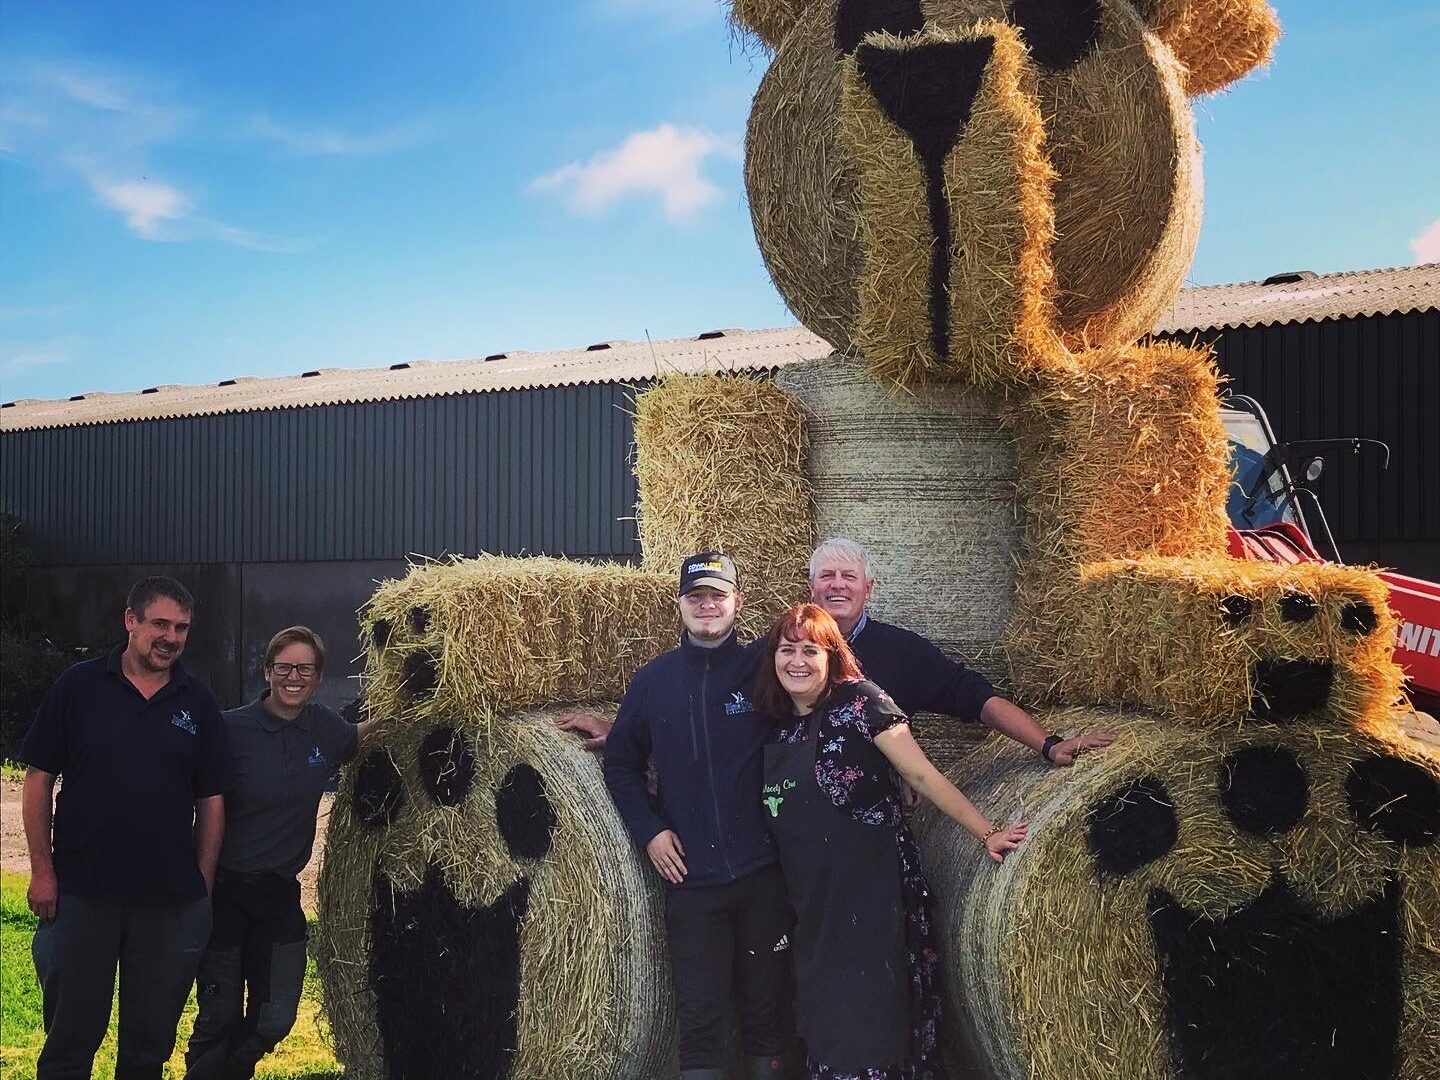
(103, 129)
(664, 162)
(146, 204)
(1426, 246)
(18, 358)
(329, 142)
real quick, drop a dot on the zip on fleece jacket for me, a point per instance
(689, 714)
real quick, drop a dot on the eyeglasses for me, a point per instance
(305, 671)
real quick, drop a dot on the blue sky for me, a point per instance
(193, 191)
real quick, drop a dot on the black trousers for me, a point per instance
(730, 943)
(257, 945)
(76, 957)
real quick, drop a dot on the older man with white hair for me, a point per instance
(913, 670)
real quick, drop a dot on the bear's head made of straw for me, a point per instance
(966, 176)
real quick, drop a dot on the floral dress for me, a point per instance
(858, 779)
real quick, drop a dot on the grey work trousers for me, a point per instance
(257, 945)
(155, 949)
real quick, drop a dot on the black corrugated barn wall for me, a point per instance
(1377, 378)
(291, 515)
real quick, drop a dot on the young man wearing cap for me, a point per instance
(688, 713)
(913, 670)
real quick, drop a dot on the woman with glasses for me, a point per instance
(284, 747)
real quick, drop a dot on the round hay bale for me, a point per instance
(719, 460)
(1257, 901)
(768, 20)
(483, 913)
(926, 482)
(1118, 132)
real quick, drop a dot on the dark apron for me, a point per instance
(852, 971)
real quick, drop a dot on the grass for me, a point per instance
(305, 1055)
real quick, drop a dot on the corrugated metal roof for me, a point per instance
(1305, 297)
(606, 362)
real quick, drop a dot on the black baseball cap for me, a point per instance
(708, 568)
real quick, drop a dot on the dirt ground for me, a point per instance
(14, 859)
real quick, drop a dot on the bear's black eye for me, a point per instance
(419, 619)
(856, 18)
(1059, 33)
(1358, 617)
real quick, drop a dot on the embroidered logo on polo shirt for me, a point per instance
(183, 722)
(317, 756)
(738, 704)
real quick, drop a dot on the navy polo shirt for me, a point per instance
(915, 673)
(282, 767)
(130, 770)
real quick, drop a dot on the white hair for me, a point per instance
(843, 549)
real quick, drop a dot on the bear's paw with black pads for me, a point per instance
(480, 904)
(1257, 901)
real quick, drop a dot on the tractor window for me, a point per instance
(1249, 444)
(1246, 466)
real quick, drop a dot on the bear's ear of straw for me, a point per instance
(1217, 41)
(768, 20)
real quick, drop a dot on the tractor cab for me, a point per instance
(1276, 517)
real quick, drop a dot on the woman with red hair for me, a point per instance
(864, 946)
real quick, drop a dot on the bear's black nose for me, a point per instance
(1286, 689)
(927, 91)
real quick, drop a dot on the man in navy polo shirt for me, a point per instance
(913, 670)
(124, 877)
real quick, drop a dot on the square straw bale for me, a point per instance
(1191, 637)
(481, 634)
(720, 461)
(1124, 458)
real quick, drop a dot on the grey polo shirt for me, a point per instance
(281, 770)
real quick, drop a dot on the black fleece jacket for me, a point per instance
(689, 713)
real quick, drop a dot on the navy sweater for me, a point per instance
(920, 678)
(689, 713)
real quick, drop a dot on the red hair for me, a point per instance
(803, 622)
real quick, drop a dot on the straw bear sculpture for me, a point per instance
(979, 201)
